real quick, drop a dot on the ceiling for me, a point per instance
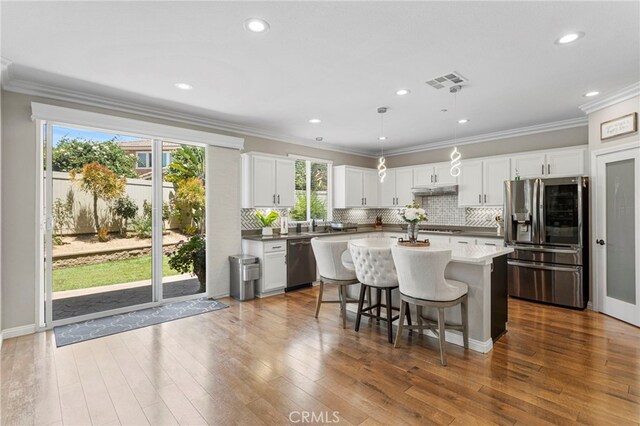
(337, 61)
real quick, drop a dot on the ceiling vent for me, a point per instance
(452, 79)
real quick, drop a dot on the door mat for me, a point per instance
(92, 329)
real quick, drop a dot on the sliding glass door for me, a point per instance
(124, 222)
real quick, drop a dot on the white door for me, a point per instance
(442, 174)
(470, 184)
(494, 173)
(285, 183)
(264, 181)
(423, 175)
(617, 245)
(528, 166)
(565, 163)
(353, 188)
(388, 190)
(404, 183)
(275, 271)
(370, 188)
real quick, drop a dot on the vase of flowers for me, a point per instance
(413, 214)
(266, 220)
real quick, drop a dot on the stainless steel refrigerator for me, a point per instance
(546, 223)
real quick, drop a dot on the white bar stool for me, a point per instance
(422, 283)
(329, 258)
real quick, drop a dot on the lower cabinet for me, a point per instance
(273, 265)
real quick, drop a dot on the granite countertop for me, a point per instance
(465, 231)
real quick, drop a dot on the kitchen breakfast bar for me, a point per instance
(484, 269)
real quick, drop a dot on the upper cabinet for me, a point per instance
(396, 189)
(433, 174)
(481, 182)
(354, 187)
(561, 163)
(267, 181)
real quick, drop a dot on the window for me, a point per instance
(311, 183)
(144, 160)
(167, 157)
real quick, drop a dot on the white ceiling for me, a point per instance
(337, 61)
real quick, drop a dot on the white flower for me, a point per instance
(421, 212)
(411, 214)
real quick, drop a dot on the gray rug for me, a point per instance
(92, 329)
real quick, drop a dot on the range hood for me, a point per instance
(431, 191)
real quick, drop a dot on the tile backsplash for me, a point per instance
(441, 210)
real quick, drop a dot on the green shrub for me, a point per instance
(190, 257)
(125, 208)
(72, 154)
(299, 211)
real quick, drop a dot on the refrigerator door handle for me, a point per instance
(545, 250)
(541, 216)
(535, 213)
(545, 267)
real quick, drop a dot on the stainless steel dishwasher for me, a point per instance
(301, 264)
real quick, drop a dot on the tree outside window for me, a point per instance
(311, 191)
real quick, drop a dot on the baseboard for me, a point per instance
(18, 331)
(456, 338)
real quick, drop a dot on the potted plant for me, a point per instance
(413, 214)
(266, 220)
(190, 257)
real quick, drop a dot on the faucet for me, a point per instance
(313, 225)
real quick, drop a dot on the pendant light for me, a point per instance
(455, 154)
(382, 169)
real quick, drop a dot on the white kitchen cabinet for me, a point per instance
(354, 187)
(395, 191)
(565, 163)
(273, 265)
(267, 181)
(274, 271)
(558, 163)
(481, 182)
(433, 174)
(494, 173)
(470, 184)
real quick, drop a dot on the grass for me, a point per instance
(108, 273)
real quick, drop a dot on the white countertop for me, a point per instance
(463, 253)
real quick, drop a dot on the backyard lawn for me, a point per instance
(101, 274)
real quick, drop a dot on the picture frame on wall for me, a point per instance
(619, 126)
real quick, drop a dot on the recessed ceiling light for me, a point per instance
(256, 25)
(183, 86)
(319, 139)
(590, 94)
(315, 120)
(463, 121)
(382, 138)
(570, 38)
(402, 92)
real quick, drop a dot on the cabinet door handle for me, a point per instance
(479, 198)
(274, 198)
(463, 242)
(543, 169)
(485, 198)
(431, 178)
(436, 177)
(365, 201)
(548, 169)
(362, 201)
(278, 198)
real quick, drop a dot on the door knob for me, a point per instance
(601, 242)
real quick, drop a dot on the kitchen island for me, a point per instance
(484, 269)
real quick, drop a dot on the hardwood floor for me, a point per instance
(257, 362)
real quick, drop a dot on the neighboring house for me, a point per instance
(141, 150)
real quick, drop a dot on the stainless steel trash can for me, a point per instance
(245, 271)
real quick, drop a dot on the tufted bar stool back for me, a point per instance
(329, 258)
(373, 263)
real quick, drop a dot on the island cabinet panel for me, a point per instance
(499, 299)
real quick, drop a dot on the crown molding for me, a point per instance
(503, 134)
(612, 98)
(12, 84)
